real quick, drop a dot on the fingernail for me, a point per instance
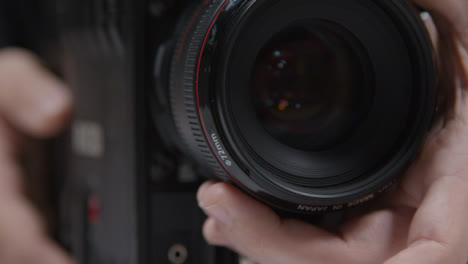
(219, 213)
(201, 192)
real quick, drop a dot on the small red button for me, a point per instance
(94, 209)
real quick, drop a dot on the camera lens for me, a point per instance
(308, 83)
(309, 106)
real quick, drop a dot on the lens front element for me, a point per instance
(309, 88)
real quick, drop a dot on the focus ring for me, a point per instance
(183, 91)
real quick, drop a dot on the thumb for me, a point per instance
(257, 232)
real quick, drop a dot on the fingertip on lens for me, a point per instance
(214, 193)
(202, 191)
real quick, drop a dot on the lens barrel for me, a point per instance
(309, 106)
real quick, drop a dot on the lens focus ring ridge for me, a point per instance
(183, 90)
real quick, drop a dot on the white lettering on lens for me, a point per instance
(220, 150)
(337, 207)
(361, 201)
(314, 209)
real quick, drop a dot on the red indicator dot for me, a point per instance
(94, 209)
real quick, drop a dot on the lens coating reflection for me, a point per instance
(309, 89)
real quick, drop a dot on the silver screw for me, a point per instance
(177, 254)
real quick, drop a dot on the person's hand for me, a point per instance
(425, 221)
(33, 104)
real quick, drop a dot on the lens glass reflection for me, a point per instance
(308, 88)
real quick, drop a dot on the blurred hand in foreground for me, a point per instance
(33, 104)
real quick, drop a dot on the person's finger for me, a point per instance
(31, 98)
(453, 10)
(213, 233)
(257, 232)
(10, 180)
(22, 234)
(252, 229)
(451, 22)
(40, 251)
(22, 237)
(431, 28)
(22, 240)
(438, 231)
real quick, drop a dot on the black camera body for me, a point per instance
(124, 196)
(308, 106)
